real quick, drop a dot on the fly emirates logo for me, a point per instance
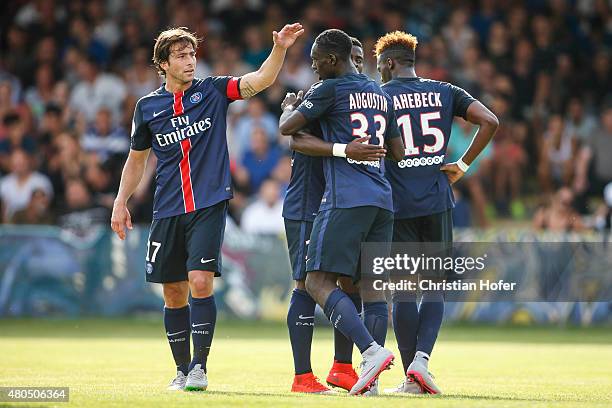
(183, 129)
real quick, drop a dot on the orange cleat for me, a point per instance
(310, 384)
(342, 375)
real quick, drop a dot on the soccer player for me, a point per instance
(421, 184)
(357, 203)
(300, 207)
(184, 122)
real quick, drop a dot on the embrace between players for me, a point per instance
(350, 183)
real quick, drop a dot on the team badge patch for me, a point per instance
(149, 268)
(196, 97)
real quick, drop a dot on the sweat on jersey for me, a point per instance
(347, 107)
(424, 110)
(187, 131)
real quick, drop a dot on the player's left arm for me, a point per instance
(254, 82)
(474, 112)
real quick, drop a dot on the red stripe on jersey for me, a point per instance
(186, 186)
(178, 103)
(233, 91)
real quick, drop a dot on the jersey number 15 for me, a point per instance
(426, 130)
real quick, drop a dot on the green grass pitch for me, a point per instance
(112, 363)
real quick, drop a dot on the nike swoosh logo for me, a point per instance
(174, 334)
(305, 317)
(198, 325)
(206, 260)
(156, 114)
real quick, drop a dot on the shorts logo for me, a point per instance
(149, 268)
(196, 97)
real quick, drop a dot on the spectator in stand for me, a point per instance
(38, 96)
(557, 158)
(17, 187)
(594, 164)
(80, 211)
(14, 138)
(96, 90)
(105, 139)
(261, 159)
(558, 215)
(37, 212)
(579, 124)
(265, 215)
(140, 78)
(256, 117)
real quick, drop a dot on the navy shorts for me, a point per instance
(298, 237)
(428, 228)
(337, 235)
(186, 242)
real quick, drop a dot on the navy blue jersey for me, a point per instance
(187, 131)
(424, 110)
(348, 107)
(306, 185)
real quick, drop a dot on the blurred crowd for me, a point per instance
(71, 72)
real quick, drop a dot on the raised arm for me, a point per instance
(130, 178)
(254, 82)
(477, 114)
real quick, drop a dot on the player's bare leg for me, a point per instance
(340, 310)
(342, 374)
(176, 322)
(203, 319)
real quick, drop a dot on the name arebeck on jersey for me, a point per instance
(182, 133)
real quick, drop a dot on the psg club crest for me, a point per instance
(196, 97)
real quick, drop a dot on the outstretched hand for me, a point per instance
(287, 36)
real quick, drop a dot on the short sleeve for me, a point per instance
(319, 98)
(392, 130)
(141, 138)
(228, 86)
(461, 101)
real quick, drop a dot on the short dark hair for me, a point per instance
(336, 42)
(356, 42)
(164, 42)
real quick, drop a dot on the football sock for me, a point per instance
(300, 321)
(176, 322)
(431, 312)
(203, 319)
(343, 347)
(376, 319)
(343, 315)
(406, 325)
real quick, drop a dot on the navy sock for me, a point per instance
(376, 319)
(406, 326)
(300, 321)
(176, 322)
(431, 312)
(343, 347)
(343, 315)
(203, 319)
